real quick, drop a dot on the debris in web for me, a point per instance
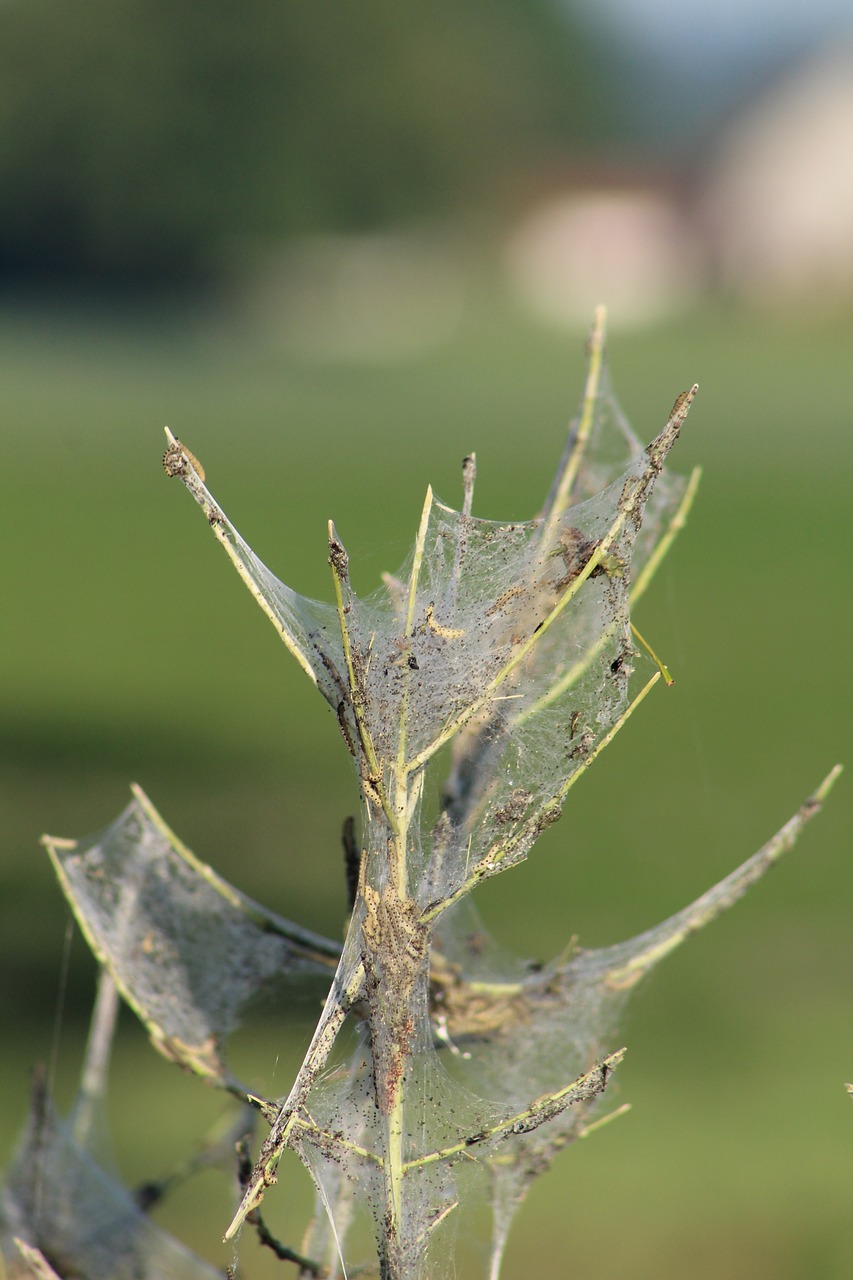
(439, 1064)
(188, 951)
(60, 1202)
(515, 1027)
(64, 1213)
(308, 628)
(512, 641)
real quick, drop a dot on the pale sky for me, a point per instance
(738, 28)
(702, 55)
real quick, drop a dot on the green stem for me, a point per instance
(181, 463)
(676, 524)
(358, 699)
(338, 1003)
(490, 863)
(563, 490)
(651, 947)
(631, 500)
(637, 589)
(543, 1108)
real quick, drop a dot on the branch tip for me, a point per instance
(826, 786)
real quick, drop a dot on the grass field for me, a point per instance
(132, 652)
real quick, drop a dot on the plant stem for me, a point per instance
(561, 495)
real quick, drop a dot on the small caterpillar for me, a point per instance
(175, 460)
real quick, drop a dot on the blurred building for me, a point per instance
(776, 207)
(626, 241)
(764, 216)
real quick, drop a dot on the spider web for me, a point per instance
(439, 1060)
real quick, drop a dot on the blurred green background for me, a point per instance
(151, 273)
